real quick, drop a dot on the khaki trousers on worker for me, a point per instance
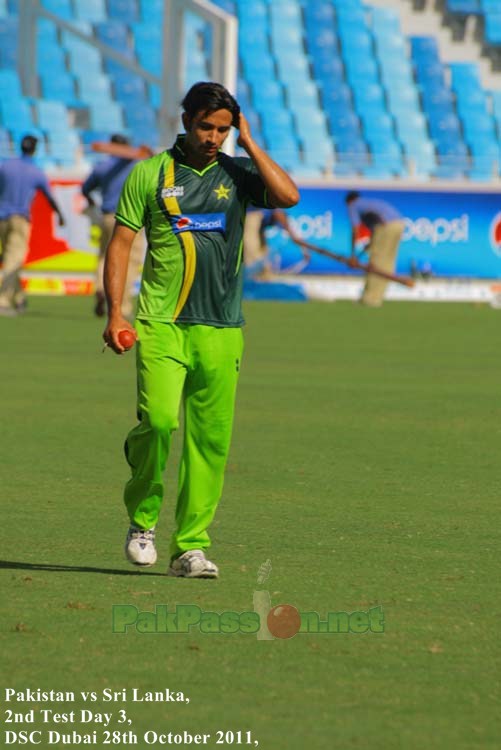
(255, 248)
(383, 253)
(135, 262)
(14, 236)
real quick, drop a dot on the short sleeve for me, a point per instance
(251, 183)
(132, 204)
(91, 183)
(41, 182)
(354, 214)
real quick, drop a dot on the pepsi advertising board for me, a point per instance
(454, 234)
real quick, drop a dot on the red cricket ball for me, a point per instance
(284, 621)
(126, 338)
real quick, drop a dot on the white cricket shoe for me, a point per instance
(193, 564)
(140, 546)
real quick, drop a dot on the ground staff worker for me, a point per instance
(192, 200)
(256, 251)
(386, 226)
(20, 179)
(107, 178)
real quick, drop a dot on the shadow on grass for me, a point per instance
(12, 565)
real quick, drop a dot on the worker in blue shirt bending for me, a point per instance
(386, 226)
(20, 179)
(107, 178)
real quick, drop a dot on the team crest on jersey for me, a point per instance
(176, 191)
(198, 223)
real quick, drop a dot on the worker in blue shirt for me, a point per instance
(20, 179)
(386, 226)
(107, 178)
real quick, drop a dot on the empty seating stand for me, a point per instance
(329, 86)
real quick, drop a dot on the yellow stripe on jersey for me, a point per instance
(185, 240)
(190, 264)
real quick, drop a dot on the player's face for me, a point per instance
(206, 133)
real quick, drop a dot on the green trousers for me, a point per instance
(198, 365)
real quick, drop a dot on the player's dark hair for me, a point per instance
(119, 138)
(29, 145)
(208, 97)
(352, 196)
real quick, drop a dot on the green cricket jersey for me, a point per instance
(193, 270)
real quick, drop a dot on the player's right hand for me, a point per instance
(113, 328)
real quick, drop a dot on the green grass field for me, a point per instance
(365, 465)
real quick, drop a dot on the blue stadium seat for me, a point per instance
(286, 13)
(352, 152)
(150, 58)
(128, 86)
(63, 146)
(112, 67)
(90, 10)
(256, 41)
(228, 5)
(268, 94)
(60, 87)
(464, 6)
(126, 11)
(303, 98)
(255, 11)
(16, 114)
(439, 98)
(464, 75)
(327, 69)
(313, 127)
(369, 97)
(444, 126)
(403, 99)
(385, 21)
(113, 33)
(294, 71)
(142, 117)
(9, 84)
(355, 43)
(109, 118)
(61, 8)
(377, 124)
(345, 126)
(493, 27)
(337, 98)
(320, 39)
(424, 46)
(351, 15)
(151, 10)
(481, 125)
(454, 152)
(95, 89)
(361, 68)
(46, 30)
(85, 61)
(51, 115)
(319, 156)
(430, 74)
(318, 13)
(255, 63)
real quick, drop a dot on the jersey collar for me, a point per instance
(179, 154)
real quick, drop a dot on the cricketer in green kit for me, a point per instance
(191, 200)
